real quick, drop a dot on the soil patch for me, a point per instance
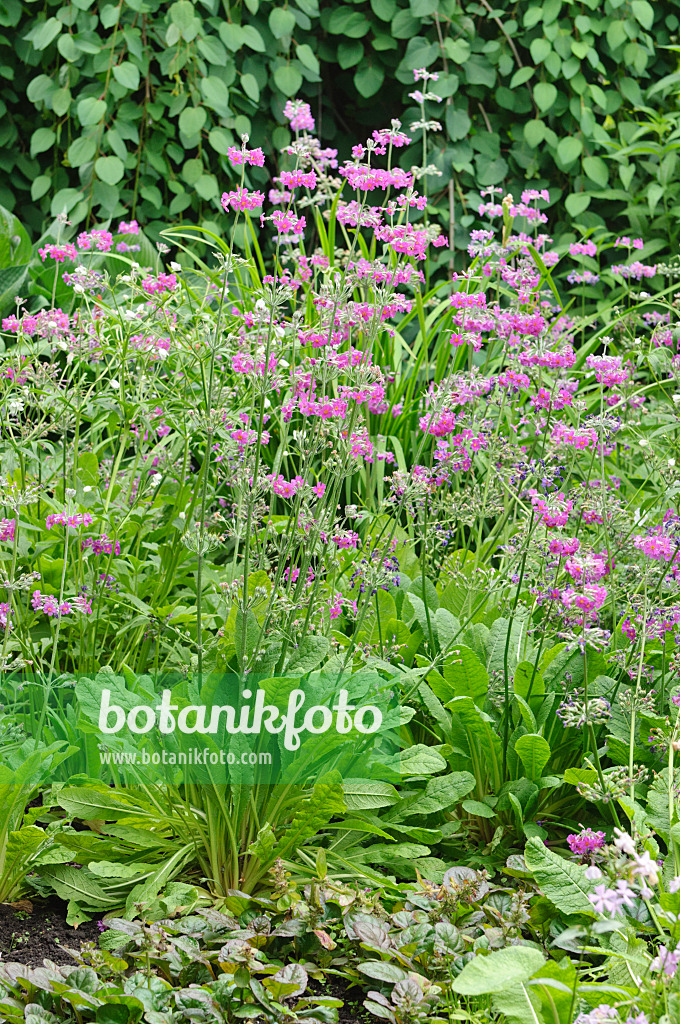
(31, 936)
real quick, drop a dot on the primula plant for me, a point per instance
(299, 457)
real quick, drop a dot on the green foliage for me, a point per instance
(132, 107)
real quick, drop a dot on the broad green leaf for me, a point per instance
(281, 22)
(498, 971)
(368, 79)
(305, 54)
(545, 94)
(109, 169)
(192, 119)
(288, 79)
(534, 753)
(41, 140)
(563, 882)
(466, 674)
(91, 110)
(216, 95)
(363, 795)
(569, 150)
(127, 74)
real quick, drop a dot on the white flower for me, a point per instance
(115, 384)
(624, 843)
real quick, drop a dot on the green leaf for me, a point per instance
(61, 101)
(346, 22)
(216, 95)
(534, 132)
(41, 140)
(368, 79)
(281, 22)
(597, 170)
(534, 753)
(479, 809)
(363, 795)
(127, 74)
(561, 881)
(309, 654)
(577, 203)
(91, 110)
(253, 39)
(250, 87)
(545, 94)
(498, 971)
(287, 79)
(423, 8)
(109, 169)
(521, 76)
(643, 12)
(381, 971)
(466, 675)
(457, 123)
(569, 150)
(213, 50)
(539, 49)
(305, 54)
(44, 33)
(192, 119)
(220, 139)
(81, 151)
(39, 186)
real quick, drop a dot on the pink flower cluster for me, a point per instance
(97, 239)
(586, 842)
(241, 199)
(238, 157)
(299, 115)
(58, 253)
(161, 283)
(7, 529)
(553, 510)
(100, 545)
(70, 520)
(50, 605)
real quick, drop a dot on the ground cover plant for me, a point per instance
(314, 460)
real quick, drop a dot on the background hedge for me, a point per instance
(128, 108)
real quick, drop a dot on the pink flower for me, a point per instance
(7, 529)
(59, 253)
(128, 228)
(586, 842)
(242, 199)
(97, 239)
(299, 114)
(238, 157)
